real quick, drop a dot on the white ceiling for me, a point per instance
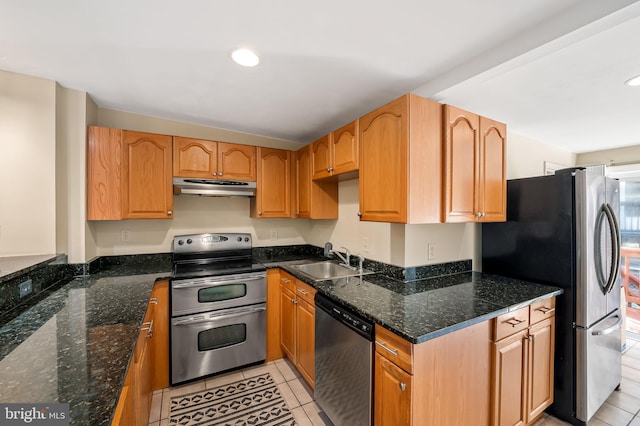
(552, 70)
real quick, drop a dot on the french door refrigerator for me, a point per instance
(563, 230)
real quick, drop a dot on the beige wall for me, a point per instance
(526, 156)
(27, 165)
(626, 155)
(143, 123)
(71, 119)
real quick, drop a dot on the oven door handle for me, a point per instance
(213, 283)
(200, 320)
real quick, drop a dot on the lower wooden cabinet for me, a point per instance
(297, 324)
(522, 385)
(274, 348)
(305, 339)
(149, 366)
(392, 398)
(443, 381)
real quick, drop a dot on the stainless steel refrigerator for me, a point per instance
(563, 230)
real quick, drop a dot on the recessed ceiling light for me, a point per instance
(634, 81)
(245, 57)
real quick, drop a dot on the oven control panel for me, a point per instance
(194, 243)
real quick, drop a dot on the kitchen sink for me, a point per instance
(327, 270)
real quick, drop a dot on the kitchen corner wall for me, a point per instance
(27, 165)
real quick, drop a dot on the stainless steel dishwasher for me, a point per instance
(343, 364)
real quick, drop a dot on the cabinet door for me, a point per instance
(147, 188)
(509, 380)
(303, 182)
(288, 323)
(273, 192)
(493, 180)
(305, 317)
(321, 158)
(392, 394)
(541, 354)
(383, 137)
(236, 162)
(195, 158)
(104, 166)
(345, 149)
(160, 303)
(143, 379)
(461, 167)
(274, 351)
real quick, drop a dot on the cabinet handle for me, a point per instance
(259, 213)
(148, 326)
(154, 301)
(359, 214)
(545, 310)
(220, 174)
(284, 280)
(170, 212)
(294, 301)
(304, 293)
(478, 214)
(394, 352)
(403, 386)
(215, 174)
(329, 169)
(514, 322)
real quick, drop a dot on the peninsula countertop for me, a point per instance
(74, 346)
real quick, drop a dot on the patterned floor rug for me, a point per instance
(253, 401)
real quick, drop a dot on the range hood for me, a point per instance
(213, 187)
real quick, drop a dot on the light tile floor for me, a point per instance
(294, 390)
(621, 409)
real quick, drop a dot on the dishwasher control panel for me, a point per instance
(354, 321)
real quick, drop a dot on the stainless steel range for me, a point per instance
(218, 305)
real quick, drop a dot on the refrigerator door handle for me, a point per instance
(615, 243)
(608, 330)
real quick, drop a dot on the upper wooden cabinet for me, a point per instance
(337, 153)
(474, 168)
(213, 160)
(273, 192)
(401, 161)
(128, 175)
(312, 199)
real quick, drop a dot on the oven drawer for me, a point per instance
(216, 341)
(207, 294)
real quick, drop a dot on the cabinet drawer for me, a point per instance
(542, 310)
(288, 281)
(510, 323)
(305, 291)
(394, 348)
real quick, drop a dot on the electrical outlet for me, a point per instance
(125, 235)
(274, 235)
(26, 288)
(365, 245)
(431, 251)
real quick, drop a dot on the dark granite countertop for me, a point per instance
(74, 345)
(425, 309)
(11, 266)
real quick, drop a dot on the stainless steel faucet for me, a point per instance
(328, 251)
